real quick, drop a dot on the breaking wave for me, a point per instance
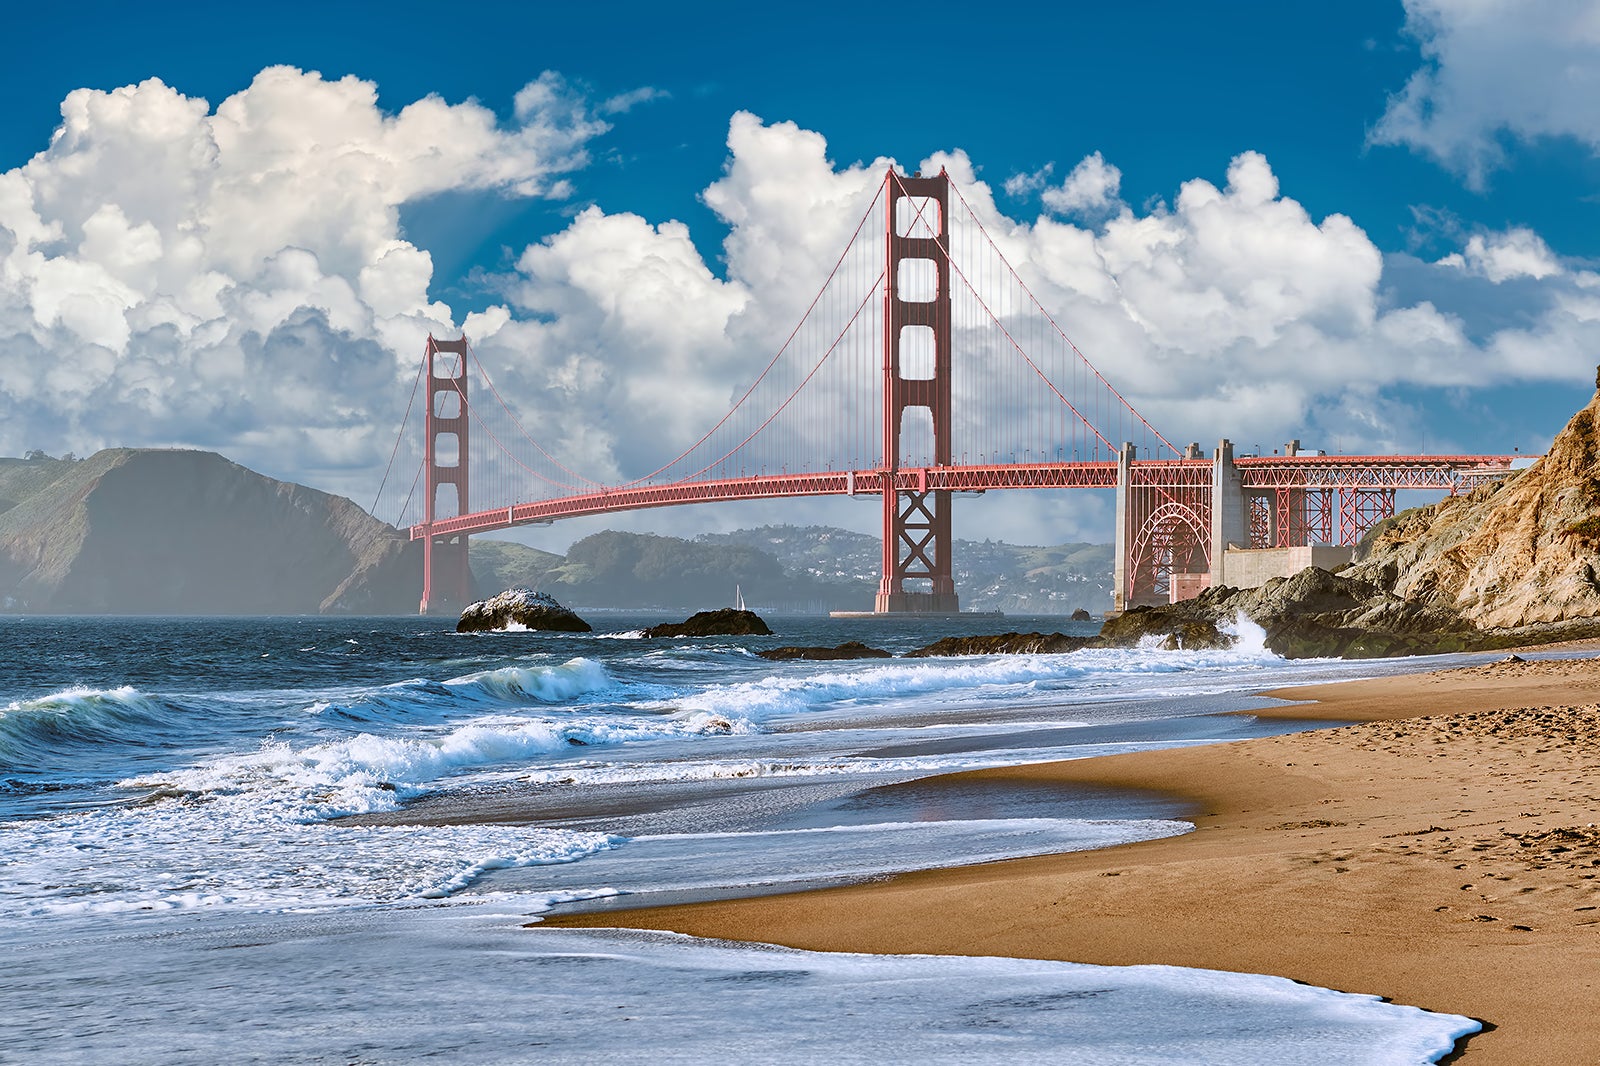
(81, 717)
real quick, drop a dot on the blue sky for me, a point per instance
(1454, 136)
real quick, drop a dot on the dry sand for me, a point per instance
(1444, 853)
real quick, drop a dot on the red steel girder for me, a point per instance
(1170, 538)
(1446, 473)
(775, 486)
(1360, 510)
(1172, 476)
(1260, 505)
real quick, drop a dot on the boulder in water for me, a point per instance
(850, 649)
(521, 607)
(1003, 644)
(728, 621)
(1174, 629)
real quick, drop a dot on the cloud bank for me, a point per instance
(237, 278)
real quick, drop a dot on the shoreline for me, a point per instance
(1440, 853)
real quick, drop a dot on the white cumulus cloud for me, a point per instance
(236, 277)
(1495, 68)
(1092, 188)
(1516, 253)
(1230, 311)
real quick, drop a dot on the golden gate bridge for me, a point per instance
(923, 368)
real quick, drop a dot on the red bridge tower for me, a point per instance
(916, 376)
(446, 577)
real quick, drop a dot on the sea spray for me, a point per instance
(1249, 639)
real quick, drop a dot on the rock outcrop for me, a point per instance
(850, 649)
(1174, 629)
(1003, 644)
(520, 608)
(727, 621)
(1521, 552)
(1313, 614)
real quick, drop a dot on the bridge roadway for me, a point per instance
(1446, 473)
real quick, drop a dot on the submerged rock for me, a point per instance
(850, 649)
(520, 607)
(1003, 644)
(727, 621)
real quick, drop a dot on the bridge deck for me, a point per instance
(1437, 472)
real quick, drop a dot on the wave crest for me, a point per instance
(82, 716)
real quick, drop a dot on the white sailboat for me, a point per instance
(738, 599)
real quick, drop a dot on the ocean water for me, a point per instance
(318, 840)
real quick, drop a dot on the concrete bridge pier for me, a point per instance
(1121, 584)
(1230, 511)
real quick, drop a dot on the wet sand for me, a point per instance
(1442, 853)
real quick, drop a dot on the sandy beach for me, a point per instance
(1442, 852)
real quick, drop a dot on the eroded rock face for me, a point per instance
(1003, 644)
(520, 607)
(1524, 551)
(724, 622)
(850, 649)
(1313, 614)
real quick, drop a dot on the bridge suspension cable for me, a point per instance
(1022, 392)
(1038, 307)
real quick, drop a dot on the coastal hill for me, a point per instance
(643, 570)
(1520, 552)
(788, 568)
(991, 575)
(157, 531)
(160, 531)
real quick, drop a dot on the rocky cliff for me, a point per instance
(142, 531)
(1519, 553)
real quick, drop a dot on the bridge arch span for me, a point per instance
(1174, 540)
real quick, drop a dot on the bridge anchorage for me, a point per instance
(924, 368)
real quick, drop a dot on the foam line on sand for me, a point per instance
(1443, 853)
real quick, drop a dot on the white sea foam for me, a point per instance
(470, 985)
(641, 773)
(544, 684)
(367, 772)
(1250, 639)
(85, 704)
(121, 860)
(420, 701)
(678, 862)
(1079, 673)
